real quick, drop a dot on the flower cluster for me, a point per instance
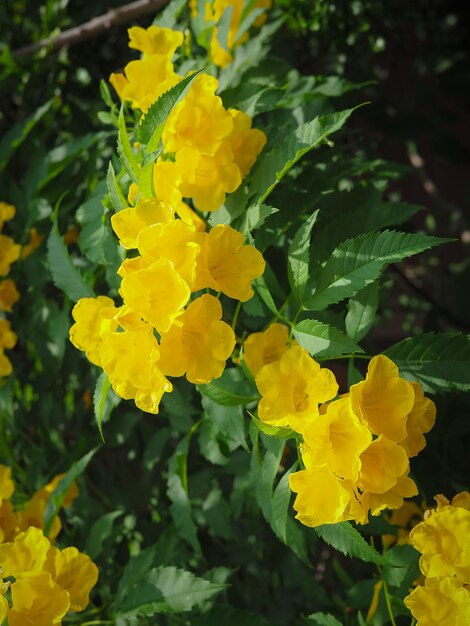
(241, 14)
(442, 540)
(207, 149)
(355, 448)
(9, 253)
(48, 582)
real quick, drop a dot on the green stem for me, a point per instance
(344, 356)
(184, 467)
(388, 603)
(235, 316)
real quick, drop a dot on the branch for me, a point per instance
(94, 27)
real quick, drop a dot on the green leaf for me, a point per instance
(255, 216)
(362, 309)
(440, 362)
(99, 532)
(280, 505)
(227, 420)
(298, 258)
(103, 401)
(347, 540)
(231, 389)
(128, 158)
(64, 273)
(115, 194)
(167, 590)
(323, 619)
(322, 340)
(358, 262)
(55, 502)
(151, 125)
(223, 27)
(181, 512)
(18, 133)
(273, 166)
(272, 431)
(263, 291)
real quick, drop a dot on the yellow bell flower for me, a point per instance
(129, 266)
(157, 292)
(199, 121)
(7, 337)
(7, 486)
(199, 343)
(440, 602)
(266, 347)
(91, 325)
(9, 253)
(25, 555)
(6, 368)
(4, 608)
(46, 491)
(75, 572)
(246, 142)
(381, 464)
(7, 212)
(443, 540)
(128, 223)
(8, 295)
(33, 515)
(225, 264)
(383, 400)
(8, 522)
(393, 498)
(336, 439)
(37, 601)
(155, 40)
(420, 420)
(292, 389)
(322, 497)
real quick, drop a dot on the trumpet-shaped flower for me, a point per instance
(292, 389)
(198, 343)
(322, 497)
(8, 295)
(266, 347)
(336, 439)
(440, 602)
(9, 253)
(128, 223)
(92, 326)
(382, 463)
(393, 498)
(225, 264)
(25, 555)
(246, 142)
(383, 400)
(155, 40)
(420, 420)
(157, 292)
(37, 601)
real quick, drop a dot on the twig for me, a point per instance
(94, 27)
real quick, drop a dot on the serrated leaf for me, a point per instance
(274, 165)
(151, 125)
(347, 540)
(255, 216)
(128, 158)
(362, 309)
(280, 505)
(263, 291)
(231, 389)
(272, 431)
(64, 273)
(99, 532)
(440, 362)
(323, 619)
(115, 194)
(323, 340)
(103, 401)
(168, 590)
(55, 502)
(358, 262)
(181, 512)
(298, 258)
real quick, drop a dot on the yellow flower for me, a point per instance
(322, 498)
(8, 295)
(440, 602)
(74, 572)
(405, 518)
(155, 40)
(6, 367)
(128, 223)
(33, 515)
(33, 244)
(25, 555)
(292, 388)
(198, 343)
(145, 80)
(443, 540)
(246, 142)
(462, 500)
(420, 420)
(381, 465)
(7, 212)
(390, 499)
(225, 264)
(266, 347)
(176, 241)
(8, 522)
(46, 491)
(91, 325)
(4, 608)
(130, 359)
(199, 121)
(129, 266)
(37, 601)
(9, 253)
(157, 292)
(132, 193)
(336, 439)
(7, 486)
(7, 336)
(383, 400)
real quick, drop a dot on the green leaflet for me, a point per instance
(440, 362)
(362, 309)
(272, 167)
(128, 158)
(323, 340)
(358, 262)
(322, 619)
(64, 273)
(181, 512)
(231, 389)
(299, 257)
(115, 194)
(346, 539)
